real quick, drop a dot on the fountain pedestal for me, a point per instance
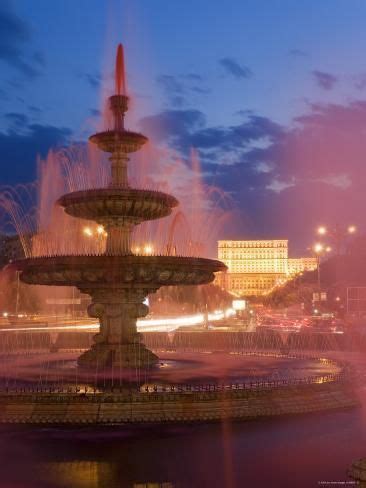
(118, 341)
(124, 356)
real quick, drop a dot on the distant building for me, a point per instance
(255, 267)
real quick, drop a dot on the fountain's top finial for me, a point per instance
(120, 72)
(118, 140)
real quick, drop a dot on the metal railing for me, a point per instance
(179, 388)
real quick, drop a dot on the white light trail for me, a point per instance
(166, 324)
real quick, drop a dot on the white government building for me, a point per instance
(255, 267)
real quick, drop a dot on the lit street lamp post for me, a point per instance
(319, 250)
(17, 294)
(337, 234)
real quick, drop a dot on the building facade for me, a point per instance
(255, 267)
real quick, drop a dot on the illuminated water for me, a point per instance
(59, 371)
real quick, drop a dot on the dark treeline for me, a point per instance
(337, 273)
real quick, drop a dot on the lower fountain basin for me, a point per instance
(194, 387)
(123, 271)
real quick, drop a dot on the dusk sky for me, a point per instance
(271, 94)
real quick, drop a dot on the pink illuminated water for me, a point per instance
(45, 229)
(192, 229)
(120, 77)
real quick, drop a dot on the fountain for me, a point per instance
(118, 280)
(202, 375)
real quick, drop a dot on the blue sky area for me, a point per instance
(271, 94)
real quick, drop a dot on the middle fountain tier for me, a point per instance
(118, 281)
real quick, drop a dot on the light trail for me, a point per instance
(147, 325)
(52, 327)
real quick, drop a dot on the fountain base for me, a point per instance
(126, 356)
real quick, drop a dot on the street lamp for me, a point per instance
(339, 237)
(337, 233)
(148, 249)
(319, 250)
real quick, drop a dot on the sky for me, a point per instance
(271, 94)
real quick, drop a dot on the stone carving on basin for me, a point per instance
(118, 281)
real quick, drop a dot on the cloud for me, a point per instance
(94, 80)
(170, 84)
(35, 111)
(317, 172)
(360, 81)
(325, 144)
(39, 59)
(193, 77)
(172, 125)
(236, 137)
(15, 35)
(284, 180)
(179, 89)
(187, 128)
(326, 81)
(243, 112)
(234, 69)
(299, 53)
(173, 89)
(19, 150)
(278, 186)
(342, 181)
(95, 112)
(200, 90)
(16, 120)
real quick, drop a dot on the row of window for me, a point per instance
(257, 269)
(251, 244)
(252, 287)
(259, 255)
(273, 262)
(251, 283)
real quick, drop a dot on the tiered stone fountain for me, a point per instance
(118, 281)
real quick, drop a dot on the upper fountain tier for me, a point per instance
(118, 208)
(118, 139)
